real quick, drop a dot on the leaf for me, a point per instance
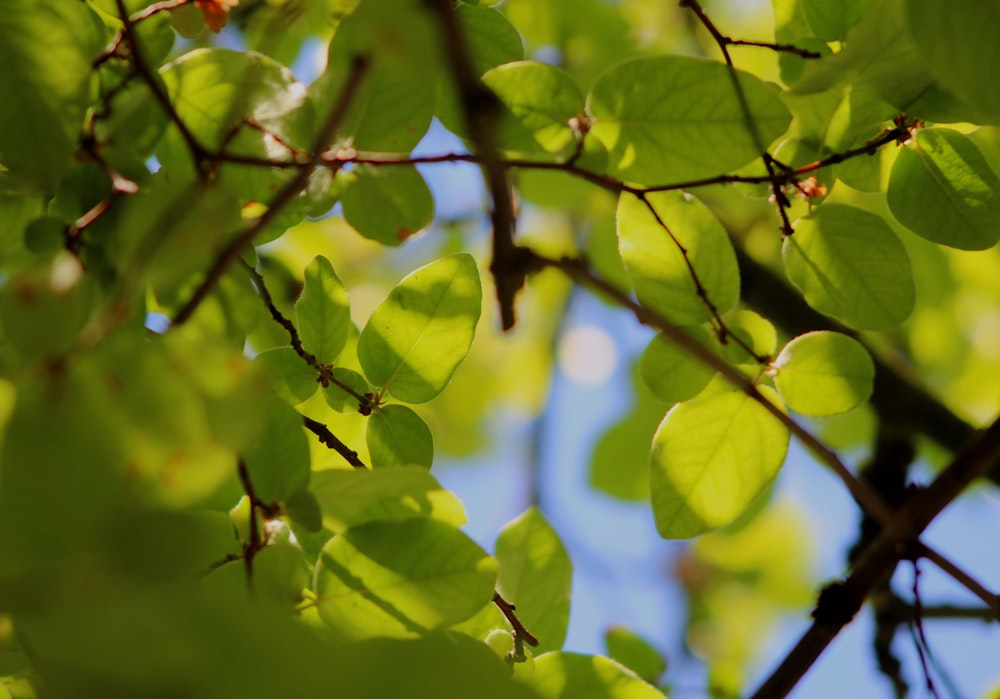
(368, 585)
(215, 92)
(849, 264)
(46, 47)
(635, 653)
(417, 337)
(942, 189)
(397, 436)
(348, 498)
(560, 675)
(536, 575)
(540, 102)
(675, 118)
(392, 106)
(711, 457)
(672, 374)
(387, 204)
(824, 373)
(292, 379)
(278, 464)
(658, 269)
(323, 312)
(831, 20)
(303, 509)
(961, 49)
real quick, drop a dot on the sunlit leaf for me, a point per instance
(417, 337)
(350, 498)
(942, 189)
(849, 264)
(560, 675)
(674, 118)
(824, 373)
(536, 576)
(368, 585)
(711, 457)
(651, 251)
(397, 436)
(635, 653)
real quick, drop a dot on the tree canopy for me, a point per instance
(247, 304)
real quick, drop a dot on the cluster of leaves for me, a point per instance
(247, 489)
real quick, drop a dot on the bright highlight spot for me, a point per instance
(588, 355)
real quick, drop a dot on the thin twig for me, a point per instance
(333, 442)
(255, 543)
(963, 578)
(231, 251)
(508, 610)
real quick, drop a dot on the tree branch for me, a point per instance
(482, 114)
(840, 602)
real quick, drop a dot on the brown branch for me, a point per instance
(579, 272)
(963, 578)
(841, 602)
(333, 442)
(482, 114)
(508, 610)
(231, 251)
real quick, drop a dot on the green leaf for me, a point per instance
(215, 92)
(831, 20)
(652, 255)
(278, 463)
(303, 509)
(536, 575)
(387, 204)
(635, 653)
(392, 106)
(824, 373)
(46, 48)
(280, 573)
(292, 379)
(961, 49)
(397, 436)
(672, 374)
(417, 337)
(560, 675)
(711, 457)
(849, 264)
(674, 118)
(368, 585)
(942, 189)
(348, 498)
(540, 101)
(751, 336)
(323, 312)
